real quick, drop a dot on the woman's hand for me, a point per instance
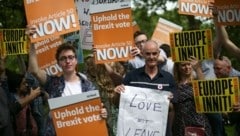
(119, 88)
(194, 62)
(34, 93)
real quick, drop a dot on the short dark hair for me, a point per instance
(137, 33)
(166, 49)
(14, 80)
(65, 46)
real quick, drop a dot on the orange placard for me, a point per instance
(228, 12)
(51, 17)
(195, 7)
(163, 29)
(112, 31)
(78, 115)
(46, 51)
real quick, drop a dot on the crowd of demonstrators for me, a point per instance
(151, 76)
(213, 122)
(185, 110)
(221, 41)
(228, 45)
(102, 76)
(150, 67)
(182, 111)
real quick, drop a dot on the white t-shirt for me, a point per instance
(72, 88)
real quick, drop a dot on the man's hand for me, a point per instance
(135, 51)
(30, 30)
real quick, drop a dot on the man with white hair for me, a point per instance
(151, 76)
(222, 69)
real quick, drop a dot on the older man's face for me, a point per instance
(221, 69)
(151, 53)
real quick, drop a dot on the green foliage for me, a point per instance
(12, 14)
(234, 34)
(143, 20)
(174, 17)
(144, 13)
(151, 5)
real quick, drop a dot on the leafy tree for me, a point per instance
(144, 13)
(146, 22)
(12, 14)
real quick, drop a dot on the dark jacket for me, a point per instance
(6, 128)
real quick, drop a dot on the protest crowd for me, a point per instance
(130, 84)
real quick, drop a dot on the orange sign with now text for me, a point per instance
(112, 32)
(51, 17)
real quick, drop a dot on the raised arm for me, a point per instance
(226, 42)
(222, 38)
(32, 62)
(217, 45)
(196, 65)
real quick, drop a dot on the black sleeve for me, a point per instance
(15, 107)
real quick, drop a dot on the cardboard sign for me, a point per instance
(13, 41)
(78, 115)
(83, 8)
(195, 7)
(51, 17)
(228, 12)
(196, 43)
(46, 51)
(112, 31)
(143, 112)
(213, 96)
(163, 29)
